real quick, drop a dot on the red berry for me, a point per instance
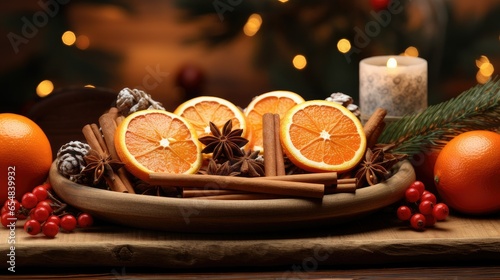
(429, 196)
(4, 209)
(47, 186)
(68, 222)
(32, 227)
(8, 218)
(417, 221)
(430, 221)
(55, 219)
(85, 220)
(46, 204)
(419, 186)
(440, 211)
(50, 229)
(425, 207)
(412, 195)
(12, 205)
(379, 4)
(40, 192)
(40, 213)
(29, 200)
(404, 213)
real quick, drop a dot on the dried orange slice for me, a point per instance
(276, 102)
(202, 110)
(157, 141)
(318, 136)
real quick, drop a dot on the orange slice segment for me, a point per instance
(202, 110)
(320, 136)
(276, 102)
(157, 141)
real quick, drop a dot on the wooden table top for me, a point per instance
(375, 241)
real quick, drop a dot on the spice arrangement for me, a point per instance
(221, 159)
(305, 149)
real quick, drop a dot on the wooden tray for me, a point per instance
(186, 215)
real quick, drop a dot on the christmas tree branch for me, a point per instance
(474, 109)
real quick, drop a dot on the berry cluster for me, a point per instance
(421, 207)
(44, 213)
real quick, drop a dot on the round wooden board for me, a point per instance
(189, 215)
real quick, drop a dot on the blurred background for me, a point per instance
(237, 49)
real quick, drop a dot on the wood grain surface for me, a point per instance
(378, 239)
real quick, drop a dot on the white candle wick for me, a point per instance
(392, 63)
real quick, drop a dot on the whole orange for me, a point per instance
(25, 156)
(467, 172)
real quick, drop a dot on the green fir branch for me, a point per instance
(477, 108)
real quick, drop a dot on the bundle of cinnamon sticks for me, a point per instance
(102, 140)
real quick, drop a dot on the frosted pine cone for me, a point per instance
(129, 101)
(346, 101)
(70, 159)
(340, 98)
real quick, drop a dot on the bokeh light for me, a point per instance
(68, 38)
(299, 62)
(343, 45)
(82, 42)
(44, 88)
(411, 51)
(252, 25)
(485, 69)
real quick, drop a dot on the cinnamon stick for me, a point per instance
(114, 182)
(287, 188)
(269, 144)
(341, 188)
(374, 126)
(108, 128)
(187, 193)
(280, 161)
(241, 196)
(92, 140)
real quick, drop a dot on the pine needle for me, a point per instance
(477, 108)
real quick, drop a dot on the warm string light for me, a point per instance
(252, 25)
(69, 38)
(485, 69)
(343, 45)
(299, 62)
(411, 51)
(44, 88)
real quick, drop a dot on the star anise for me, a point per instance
(376, 165)
(224, 145)
(248, 164)
(99, 165)
(221, 169)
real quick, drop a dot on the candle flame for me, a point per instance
(392, 63)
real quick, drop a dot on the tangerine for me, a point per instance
(150, 141)
(467, 172)
(320, 136)
(26, 156)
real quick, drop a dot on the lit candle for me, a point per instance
(395, 83)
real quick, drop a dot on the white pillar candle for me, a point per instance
(400, 89)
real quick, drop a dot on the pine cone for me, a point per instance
(346, 101)
(129, 101)
(341, 98)
(70, 159)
